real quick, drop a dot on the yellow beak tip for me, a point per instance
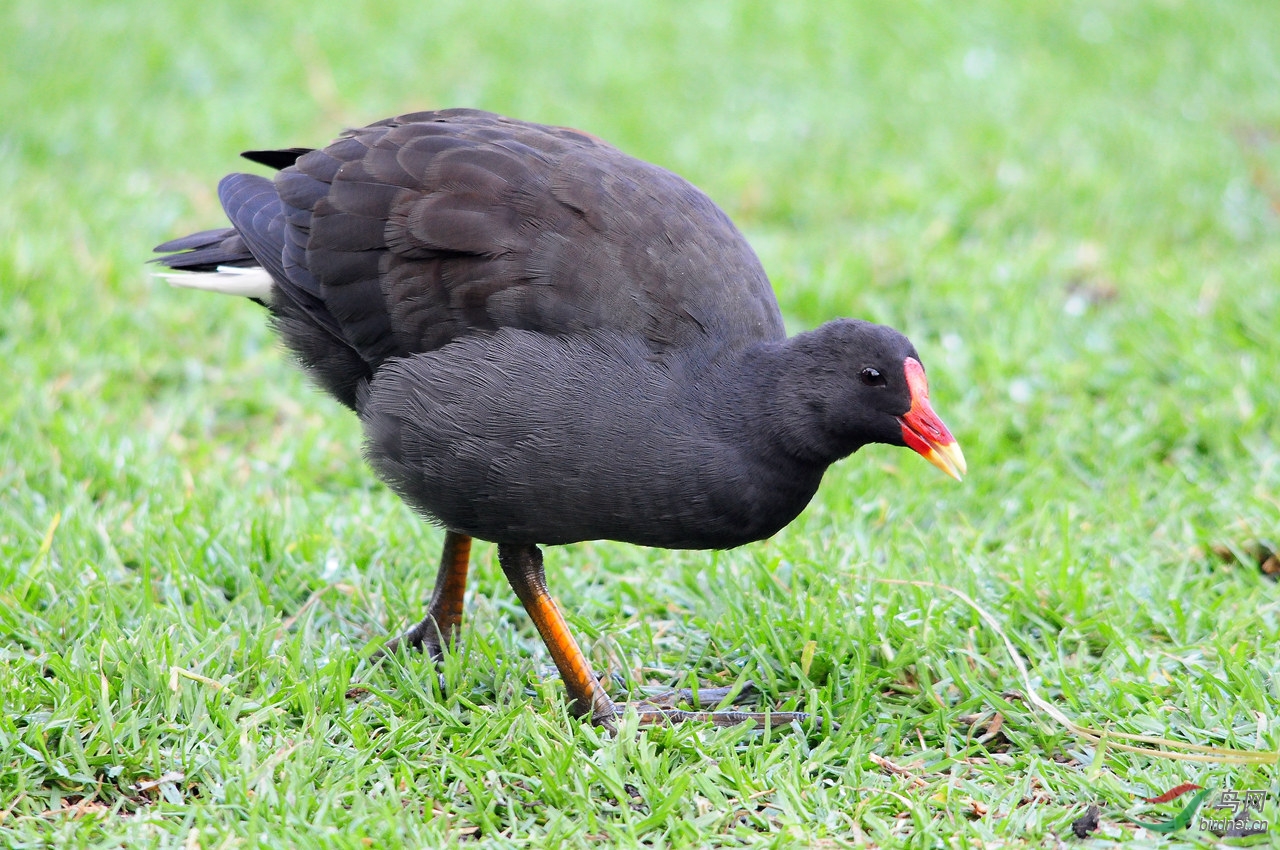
(949, 459)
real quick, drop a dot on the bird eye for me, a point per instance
(872, 377)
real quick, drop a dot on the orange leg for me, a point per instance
(522, 565)
(523, 568)
(444, 612)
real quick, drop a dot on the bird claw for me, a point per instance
(423, 637)
(649, 714)
(415, 639)
(658, 708)
(701, 697)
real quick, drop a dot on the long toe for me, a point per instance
(651, 715)
(702, 698)
(423, 637)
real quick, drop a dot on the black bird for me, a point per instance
(548, 341)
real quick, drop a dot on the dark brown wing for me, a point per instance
(405, 235)
(430, 226)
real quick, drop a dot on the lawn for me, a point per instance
(1072, 209)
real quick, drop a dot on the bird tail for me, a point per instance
(215, 261)
(250, 260)
(228, 280)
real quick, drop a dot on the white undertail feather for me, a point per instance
(253, 282)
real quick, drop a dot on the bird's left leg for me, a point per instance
(440, 627)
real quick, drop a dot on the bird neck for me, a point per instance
(771, 396)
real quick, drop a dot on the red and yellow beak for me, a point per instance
(923, 431)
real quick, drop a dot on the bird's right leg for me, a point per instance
(440, 627)
(587, 698)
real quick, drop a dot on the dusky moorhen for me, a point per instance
(549, 341)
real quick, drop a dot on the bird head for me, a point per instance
(865, 384)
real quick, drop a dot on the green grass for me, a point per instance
(1074, 211)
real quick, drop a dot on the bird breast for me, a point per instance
(519, 437)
